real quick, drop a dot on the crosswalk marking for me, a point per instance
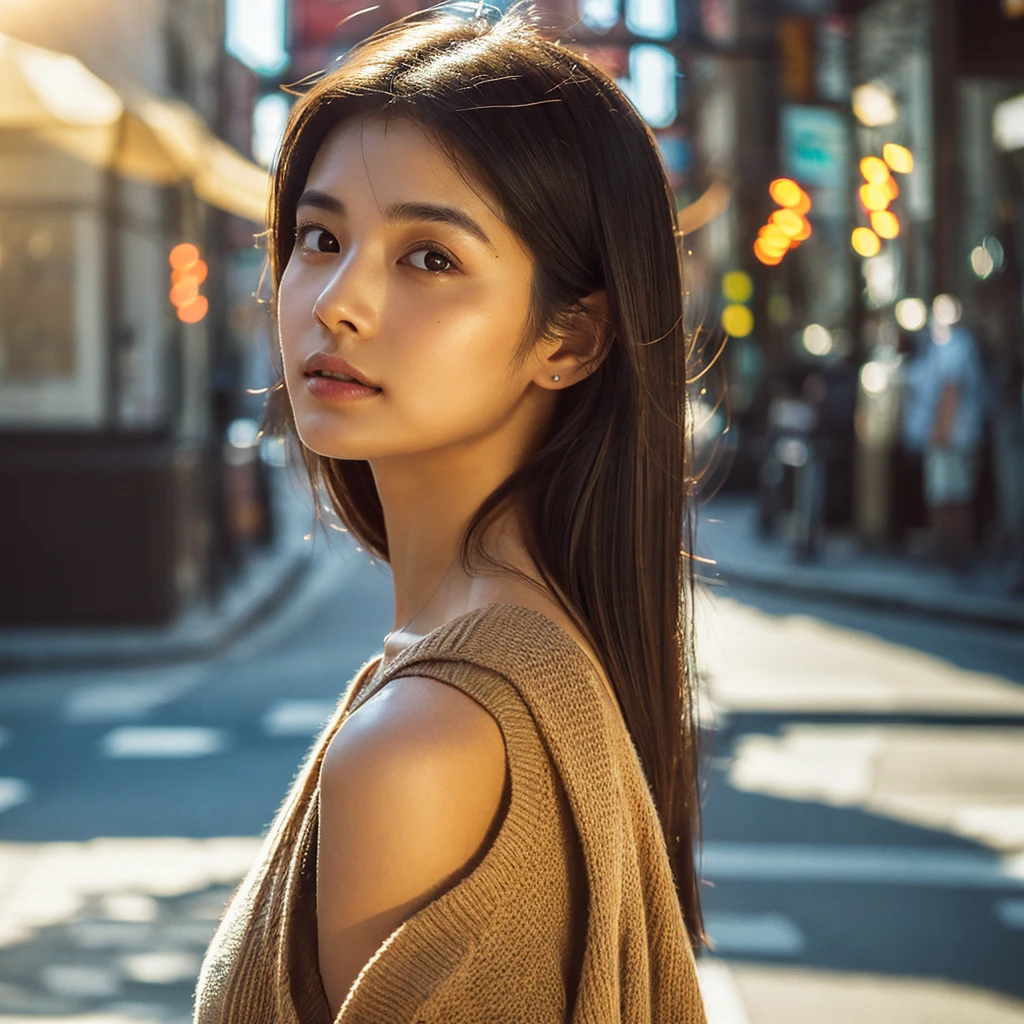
(1011, 913)
(740, 934)
(862, 865)
(297, 717)
(163, 741)
(13, 792)
(722, 1001)
(131, 698)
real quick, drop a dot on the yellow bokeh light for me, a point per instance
(874, 197)
(899, 158)
(874, 170)
(737, 286)
(788, 222)
(865, 242)
(737, 321)
(804, 206)
(183, 256)
(785, 191)
(892, 190)
(885, 224)
(774, 237)
(767, 256)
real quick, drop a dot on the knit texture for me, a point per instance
(570, 916)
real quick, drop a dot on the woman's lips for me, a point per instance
(331, 389)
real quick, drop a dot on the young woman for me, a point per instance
(478, 297)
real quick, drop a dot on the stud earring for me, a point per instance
(556, 378)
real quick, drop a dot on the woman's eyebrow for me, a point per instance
(439, 213)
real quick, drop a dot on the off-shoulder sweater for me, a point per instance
(571, 915)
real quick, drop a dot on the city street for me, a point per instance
(864, 829)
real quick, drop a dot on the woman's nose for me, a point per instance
(351, 299)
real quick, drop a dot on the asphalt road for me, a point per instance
(864, 817)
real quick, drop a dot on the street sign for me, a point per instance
(815, 145)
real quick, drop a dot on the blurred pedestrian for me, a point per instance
(478, 295)
(945, 417)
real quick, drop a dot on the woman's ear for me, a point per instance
(575, 345)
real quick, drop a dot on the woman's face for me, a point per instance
(404, 279)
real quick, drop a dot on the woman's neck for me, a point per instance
(429, 503)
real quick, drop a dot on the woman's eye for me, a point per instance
(317, 239)
(431, 260)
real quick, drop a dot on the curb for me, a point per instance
(1004, 617)
(194, 637)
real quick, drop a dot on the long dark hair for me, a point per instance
(605, 500)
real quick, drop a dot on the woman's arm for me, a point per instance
(410, 791)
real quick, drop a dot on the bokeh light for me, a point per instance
(737, 320)
(737, 286)
(874, 170)
(865, 242)
(885, 224)
(873, 105)
(874, 377)
(769, 257)
(817, 339)
(981, 262)
(183, 256)
(911, 314)
(194, 311)
(899, 158)
(785, 192)
(874, 197)
(789, 223)
(946, 310)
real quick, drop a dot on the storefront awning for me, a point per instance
(163, 142)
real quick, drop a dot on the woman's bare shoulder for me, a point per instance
(410, 792)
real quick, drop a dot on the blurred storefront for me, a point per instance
(115, 505)
(901, 123)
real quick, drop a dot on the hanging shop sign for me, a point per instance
(815, 145)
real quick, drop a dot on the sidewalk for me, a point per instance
(727, 534)
(265, 581)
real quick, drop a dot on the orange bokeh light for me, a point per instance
(885, 224)
(891, 188)
(785, 191)
(200, 271)
(184, 256)
(874, 197)
(805, 231)
(874, 170)
(788, 222)
(194, 311)
(184, 291)
(804, 206)
(765, 255)
(865, 242)
(774, 241)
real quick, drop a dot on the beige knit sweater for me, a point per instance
(571, 915)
